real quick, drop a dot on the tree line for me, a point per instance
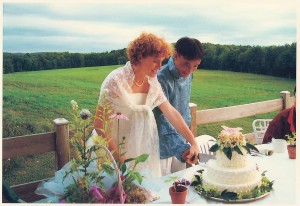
(267, 60)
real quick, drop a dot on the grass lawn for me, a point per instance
(31, 100)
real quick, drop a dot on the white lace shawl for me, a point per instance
(141, 130)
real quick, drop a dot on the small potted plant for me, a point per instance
(178, 191)
(291, 147)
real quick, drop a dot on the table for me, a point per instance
(279, 168)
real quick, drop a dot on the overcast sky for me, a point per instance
(105, 25)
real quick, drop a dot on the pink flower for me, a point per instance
(63, 201)
(119, 115)
(98, 194)
(110, 196)
(229, 130)
(122, 177)
(113, 195)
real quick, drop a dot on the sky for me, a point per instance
(97, 26)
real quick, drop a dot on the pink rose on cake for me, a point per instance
(231, 137)
(232, 140)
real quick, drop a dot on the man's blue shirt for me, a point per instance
(177, 89)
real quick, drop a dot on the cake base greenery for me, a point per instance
(265, 187)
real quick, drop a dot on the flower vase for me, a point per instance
(291, 151)
(179, 196)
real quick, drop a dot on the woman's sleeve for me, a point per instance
(160, 94)
(109, 87)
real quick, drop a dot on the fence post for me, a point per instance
(62, 141)
(193, 110)
(285, 95)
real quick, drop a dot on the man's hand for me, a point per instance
(193, 155)
(189, 158)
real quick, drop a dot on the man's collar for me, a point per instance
(172, 68)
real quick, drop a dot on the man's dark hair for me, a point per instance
(189, 48)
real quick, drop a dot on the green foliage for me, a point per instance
(129, 172)
(172, 179)
(79, 192)
(81, 127)
(227, 195)
(291, 139)
(18, 62)
(228, 152)
(238, 150)
(214, 148)
(271, 60)
(249, 147)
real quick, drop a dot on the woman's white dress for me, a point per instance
(140, 130)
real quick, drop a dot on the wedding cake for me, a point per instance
(233, 169)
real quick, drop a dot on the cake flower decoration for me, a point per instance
(232, 139)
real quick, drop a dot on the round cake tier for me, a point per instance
(237, 160)
(241, 188)
(230, 176)
(232, 181)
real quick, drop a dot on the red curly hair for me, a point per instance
(148, 44)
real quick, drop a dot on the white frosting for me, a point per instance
(236, 175)
(237, 188)
(237, 160)
(230, 176)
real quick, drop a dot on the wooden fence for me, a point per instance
(21, 146)
(58, 141)
(200, 117)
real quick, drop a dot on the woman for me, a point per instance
(134, 91)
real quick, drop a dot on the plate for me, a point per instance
(237, 201)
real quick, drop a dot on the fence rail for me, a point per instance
(21, 146)
(200, 117)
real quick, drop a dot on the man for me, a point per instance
(175, 78)
(283, 124)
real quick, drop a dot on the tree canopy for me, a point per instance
(267, 60)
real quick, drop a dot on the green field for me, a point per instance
(31, 100)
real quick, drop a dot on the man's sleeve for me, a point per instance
(274, 130)
(176, 144)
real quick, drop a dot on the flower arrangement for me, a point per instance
(291, 139)
(231, 139)
(88, 186)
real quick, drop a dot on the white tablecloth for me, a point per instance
(279, 168)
